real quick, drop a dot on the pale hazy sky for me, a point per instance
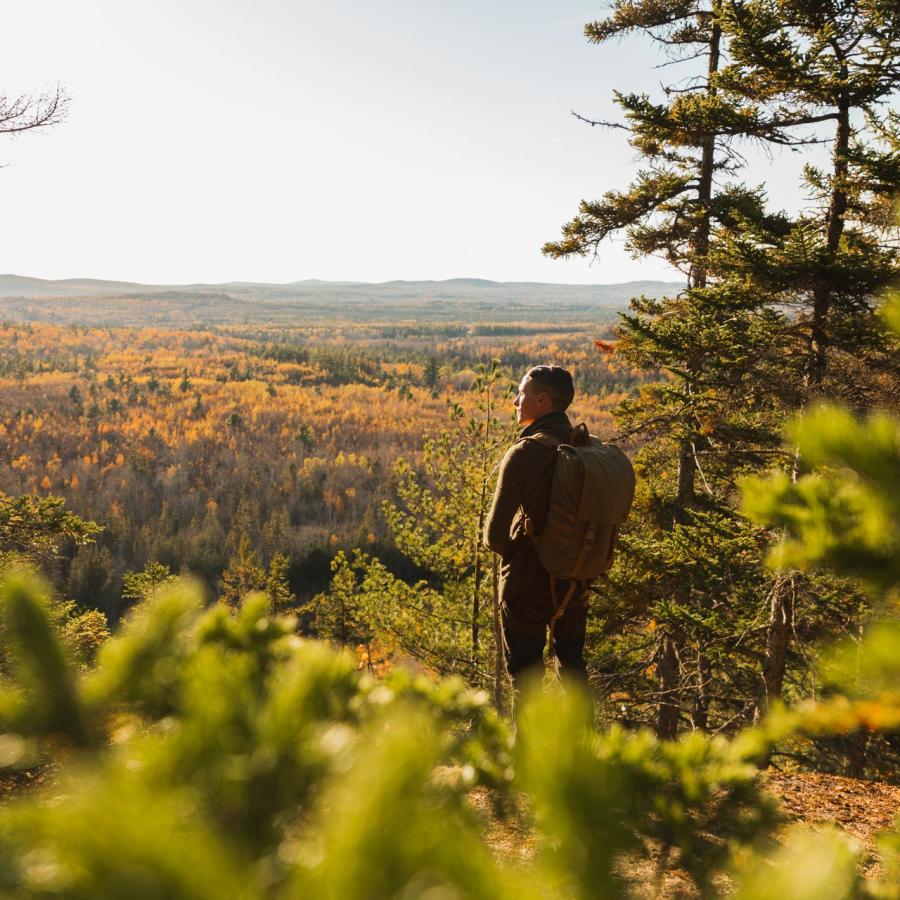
(215, 140)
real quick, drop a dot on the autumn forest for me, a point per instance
(246, 608)
(180, 443)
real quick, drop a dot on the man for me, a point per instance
(523, 492)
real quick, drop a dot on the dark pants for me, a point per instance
(525, 623)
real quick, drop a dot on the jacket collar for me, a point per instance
(553, 421)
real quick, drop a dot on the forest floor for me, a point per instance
(862, 809)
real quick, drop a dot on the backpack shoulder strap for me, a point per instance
(541, 438)
(580, 437)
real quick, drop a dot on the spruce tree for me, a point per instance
(832, 67)
(704, 418)
(775, 310)
(138, 586)
(35, 528)
(278, 585)
(243, 574)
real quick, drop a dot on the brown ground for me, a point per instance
(860, 808)
(15, 783)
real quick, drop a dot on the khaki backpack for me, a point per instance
(590, 498)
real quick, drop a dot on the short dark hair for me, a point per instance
(555, 381)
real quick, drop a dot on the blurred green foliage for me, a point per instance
(213, 753)
(845, 515)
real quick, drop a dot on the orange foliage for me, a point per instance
(188, 439)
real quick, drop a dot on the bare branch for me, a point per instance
(30, 111)
(601, 123)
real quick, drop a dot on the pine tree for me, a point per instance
(277, 584)
(37, 527)
(844, 517)
(704, 416)
(431, 374)
(735, 354)
(138, 586)
(832, 65)
(243, 574)
(436, 524)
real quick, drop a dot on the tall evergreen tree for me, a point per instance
(774, 311)
(833, 66)
(705, 418)
(837, 64)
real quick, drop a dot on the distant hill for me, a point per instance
(97, 302)
(23, 286)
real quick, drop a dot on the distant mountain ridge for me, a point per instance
(95, 302)
(27, 286)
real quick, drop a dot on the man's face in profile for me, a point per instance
(530, 403)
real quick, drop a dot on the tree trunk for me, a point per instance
(478, 575)
(707, 166)
(668, 669)
(686, 473)
(781, 614)
(835, 220)
(476, 598)
(781, 627)
(668, 663)
(854, 747)
(700, 712)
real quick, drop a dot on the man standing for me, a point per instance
(523, 494)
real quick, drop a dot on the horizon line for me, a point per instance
(302, 281)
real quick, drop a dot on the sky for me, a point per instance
(220, 140)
